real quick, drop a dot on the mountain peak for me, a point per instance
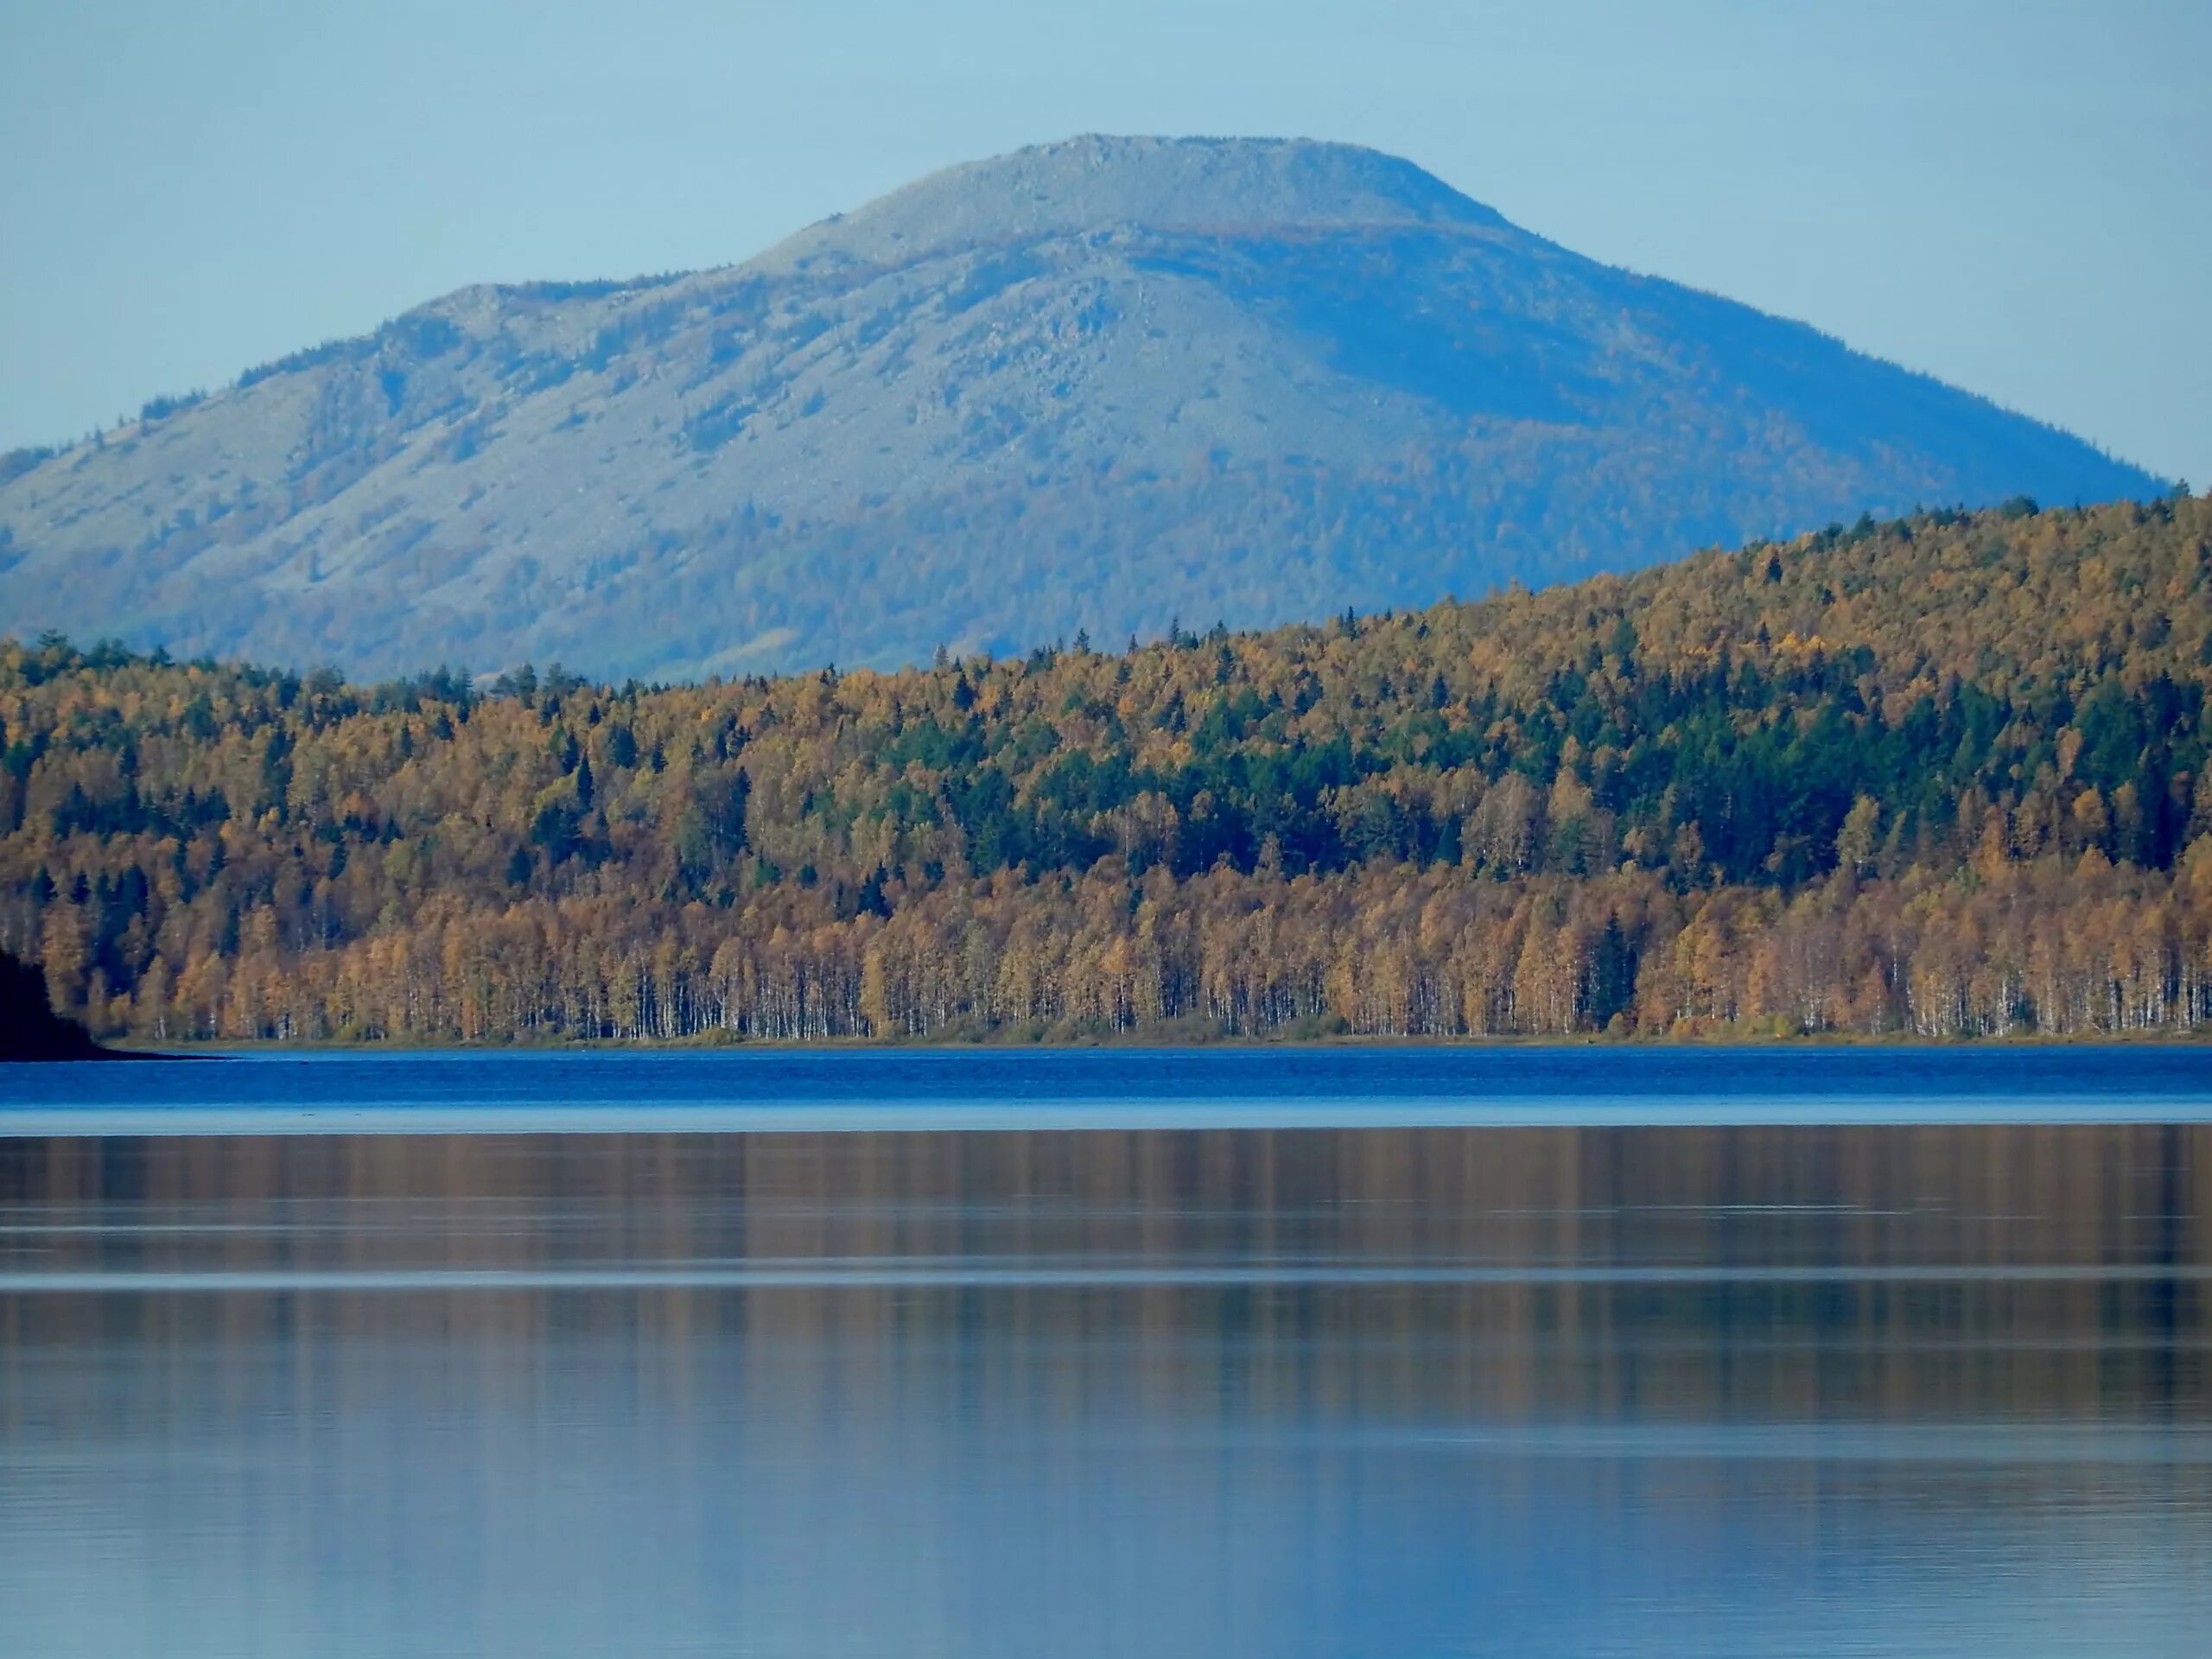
(1099, 181)
(1094, 385)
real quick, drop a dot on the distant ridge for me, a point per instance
(1947, 776)
(1097, 385)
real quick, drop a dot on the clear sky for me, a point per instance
(2014, 194)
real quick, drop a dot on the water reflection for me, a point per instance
(1220, 1392)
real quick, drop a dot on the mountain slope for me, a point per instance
(1099, 384)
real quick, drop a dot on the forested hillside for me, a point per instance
(1940, 776)
(1092, 384)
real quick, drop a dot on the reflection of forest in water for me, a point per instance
(1854, 1275)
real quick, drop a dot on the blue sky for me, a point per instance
(2014, 194)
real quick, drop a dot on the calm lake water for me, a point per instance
(1382, 1353)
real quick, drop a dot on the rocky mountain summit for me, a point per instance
(1096, 386)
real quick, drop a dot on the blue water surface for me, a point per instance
(970, 1087)
(1378, 1353)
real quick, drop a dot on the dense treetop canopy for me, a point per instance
(1941, 698)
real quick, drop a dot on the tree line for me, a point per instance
(1939, 776)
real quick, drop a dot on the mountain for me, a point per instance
(1945, 776)
(1098, 386)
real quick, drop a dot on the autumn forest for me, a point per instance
(1938, 777)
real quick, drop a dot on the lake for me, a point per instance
(1379, 1352)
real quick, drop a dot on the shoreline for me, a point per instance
(128, 1049)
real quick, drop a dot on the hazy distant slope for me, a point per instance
(1098, 384)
